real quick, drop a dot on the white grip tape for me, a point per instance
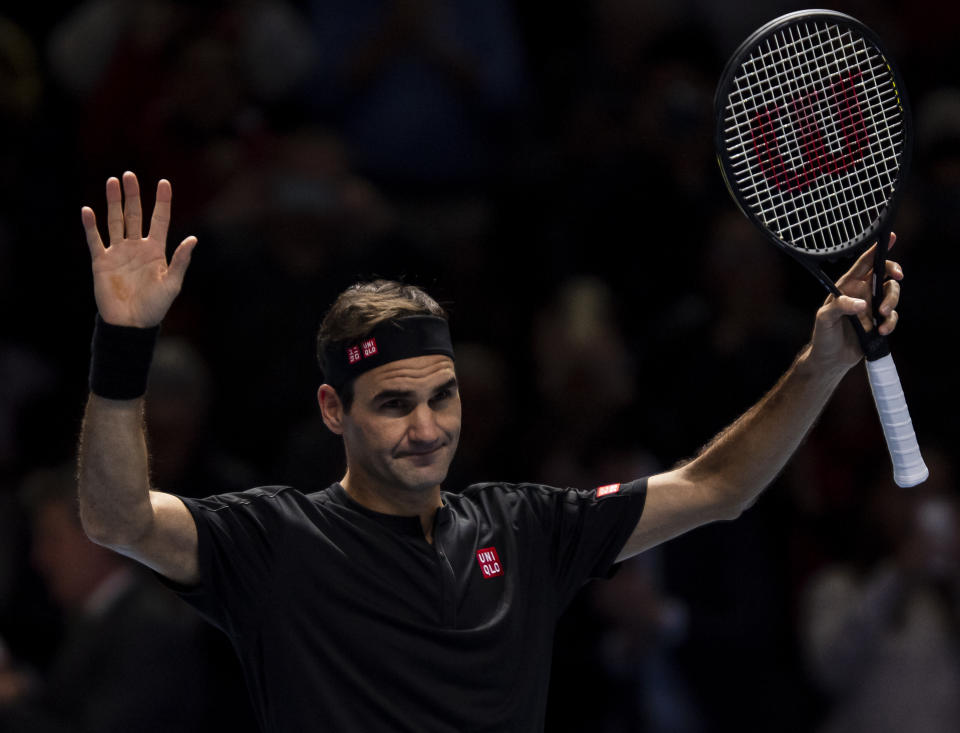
(908, 466)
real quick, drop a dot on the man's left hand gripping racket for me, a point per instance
(813, 138)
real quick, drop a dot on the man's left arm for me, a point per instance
(731, 471)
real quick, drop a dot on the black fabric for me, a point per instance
(120, 358)
(402, 338)
(349, 620)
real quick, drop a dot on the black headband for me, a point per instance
(403, 338)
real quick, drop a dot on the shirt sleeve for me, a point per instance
(587, 530)
(238, 538)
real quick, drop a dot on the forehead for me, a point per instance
(414, 374)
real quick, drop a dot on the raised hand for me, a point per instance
(132, 282)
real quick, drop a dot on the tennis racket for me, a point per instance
(813, 139)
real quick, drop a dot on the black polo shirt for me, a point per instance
(348, 620)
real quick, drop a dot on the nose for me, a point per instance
(423, 428)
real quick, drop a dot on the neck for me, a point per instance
(398, 502)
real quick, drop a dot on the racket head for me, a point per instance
(813, 133)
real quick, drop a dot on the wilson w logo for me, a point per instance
(820, 156)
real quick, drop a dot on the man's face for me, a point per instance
(403, 427)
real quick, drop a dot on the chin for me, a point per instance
(421, 482)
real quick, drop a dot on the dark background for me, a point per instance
(544, 170)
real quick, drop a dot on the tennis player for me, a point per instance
(383, 602)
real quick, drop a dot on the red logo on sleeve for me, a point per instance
(489, 562)
(603, 491)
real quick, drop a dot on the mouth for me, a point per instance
(421, 456)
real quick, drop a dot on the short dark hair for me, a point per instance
(361, 308)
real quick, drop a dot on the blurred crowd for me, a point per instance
(547, 173)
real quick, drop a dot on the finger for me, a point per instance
(847, 305)
(181, 259)
(862, 268)
(94, 242)
(160, 222)
(894, 270)
(889, 323)
(114, 210)
(131, 208)
(891, 296)
(844, 305)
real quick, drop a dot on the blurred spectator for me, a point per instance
(882, 630)
(617, 648)
(128, 660)
(274, 48)
(193, 80)
(423, 91)
(721, 335)
(487, 395)
(585, 380)
(21, 91)
(24, 377)
(184, 457)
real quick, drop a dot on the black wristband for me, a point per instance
(120, 359)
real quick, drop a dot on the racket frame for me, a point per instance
(874, 345)
(908, 465)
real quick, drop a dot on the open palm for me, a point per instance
(132, 282)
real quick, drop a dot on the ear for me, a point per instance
(331, 408)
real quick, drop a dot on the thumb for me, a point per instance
(181, 258)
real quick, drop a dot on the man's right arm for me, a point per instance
(134, 286)
(117, 506)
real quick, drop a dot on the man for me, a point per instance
(383, 603)
(129, 658)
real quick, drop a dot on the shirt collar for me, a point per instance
(408, 525)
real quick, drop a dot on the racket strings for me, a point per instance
(785, 57)
(845, 128)
(814, 133)
(835, 129)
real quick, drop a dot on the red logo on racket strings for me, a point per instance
(603, 491)
(489, 562)
(365, 349)
(809, 135)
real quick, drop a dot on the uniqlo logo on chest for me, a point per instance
(489, 562)
(369, 347)
(353, 354)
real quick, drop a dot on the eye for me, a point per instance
(442, 396)
(398, 406)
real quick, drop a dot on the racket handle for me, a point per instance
(908, 466)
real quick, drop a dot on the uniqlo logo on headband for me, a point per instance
(365, 349)
(607, 490)
(489, 562)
